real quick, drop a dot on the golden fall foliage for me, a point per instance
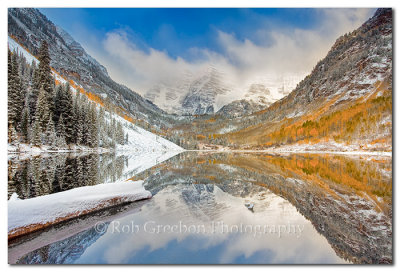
(342, 123)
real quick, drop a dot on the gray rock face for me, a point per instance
(240, 108)
(202, 93)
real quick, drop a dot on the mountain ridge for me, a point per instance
(345, 103)
(30, 27)
(353, 70)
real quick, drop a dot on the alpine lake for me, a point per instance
(215, 208)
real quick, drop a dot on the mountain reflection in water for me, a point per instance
(308, 208)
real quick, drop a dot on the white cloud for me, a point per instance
(290, 53)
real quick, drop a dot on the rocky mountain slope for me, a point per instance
(192, 95)
(29, 27)
(202, 93)
(139, 139)
(346, 100)
(241, 107)
(258, 97)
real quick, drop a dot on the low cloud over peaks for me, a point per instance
(286, 53)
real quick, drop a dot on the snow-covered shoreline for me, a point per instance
(299, 151)
(332, 147)
(29, 215)
(329, 147)
(36, 213)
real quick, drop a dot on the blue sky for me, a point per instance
(147, 47)
(177, 29)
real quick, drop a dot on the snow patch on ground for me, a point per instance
(227, 129)
(227, 168)
(14, 46)
(295, 114)
(140, 139)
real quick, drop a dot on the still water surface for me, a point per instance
(216, 208)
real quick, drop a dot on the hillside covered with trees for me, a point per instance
(43, 113)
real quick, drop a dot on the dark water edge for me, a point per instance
(346, 199)
(47, 174)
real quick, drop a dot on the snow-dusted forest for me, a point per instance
(41, 113)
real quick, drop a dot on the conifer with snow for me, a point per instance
(42, 110)
(35, 137)
(25, 122)
(61, 127)
(15, 94)
(46, 81)
(50, 133)
(12, 135)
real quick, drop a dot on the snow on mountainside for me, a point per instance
(192, 95)
(347, 98)
(258, 97)
(139, 139)
(169, 95)
(78, 50)
(202, 93)
(29, 27)
(259, 94)
(239, 108)
(142, 140)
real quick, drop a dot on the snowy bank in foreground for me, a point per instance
(25, 216)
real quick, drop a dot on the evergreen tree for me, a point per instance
(58, 106)
(68, 113)
(119, 134)
(101, 127)
(11, 94)
(15, 94)
(60, 142)
(102, 137)
(25, 121)
(60, 138)
(33, 95)
(94, 129)
(36, 77)
(35, 137)
(86, 139)
(42, 110)
(79, 127)
(9, 71)
(12, 135)
(50, 132)
(64, 105)
(76, 125)
(61, 127)
(46, 80)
